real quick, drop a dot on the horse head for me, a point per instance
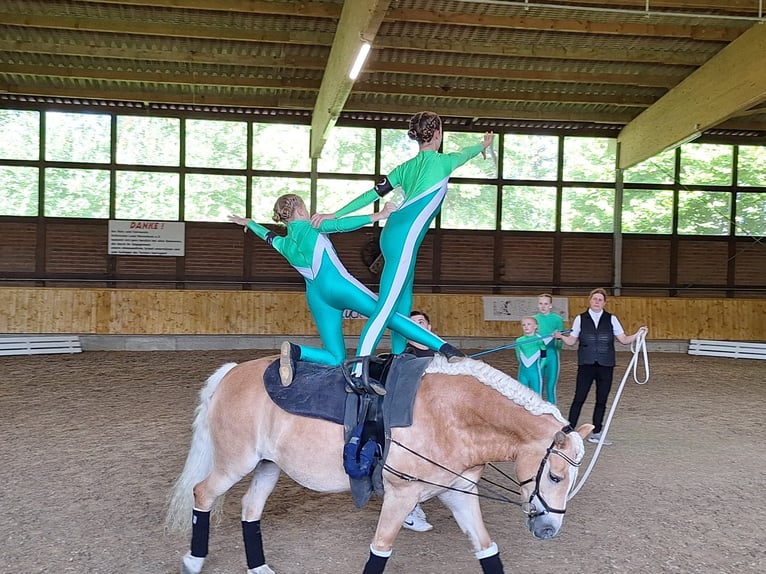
(552, 471)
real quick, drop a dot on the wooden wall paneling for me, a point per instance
(645, 261)
(136, 266)
(586, 260)
(213, 251)
(18, 242)
(76, 247)
(702, 262)
(750, 263)
(424, 266)
(528, 259)
(467, 258)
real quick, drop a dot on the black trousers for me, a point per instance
(586, 375)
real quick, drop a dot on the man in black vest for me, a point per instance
(595, 329)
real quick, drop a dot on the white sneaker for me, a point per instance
(416, 520)
(596, 437)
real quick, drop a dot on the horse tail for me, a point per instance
(199, 461)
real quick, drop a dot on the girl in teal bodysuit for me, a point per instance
(330, 288)
(423, 180)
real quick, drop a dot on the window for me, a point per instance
(469, 206)
(647, 211)
(395, 147)
(148, 141)
(216, 144)
(703, 212)
(349, 150)
(530, 157)
(477, 166)
(213, 197)
(751, 214)
(21, 134)
(751, 164)
(281, 147)
(266, 191)
(77, 137)
(77, 193)
(147, 195)
(19, 190)
(589, 159)
(706, 164)
(332, 194)
(657, 169)
(587, 210)
(529, 208)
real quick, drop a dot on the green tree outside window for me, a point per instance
(82, 138)
(647, 211)
(19, 191)
(147, 195)
(148, 141)
(266, 190)
(21, 134)
(77, 193)
(589, 159)
(529, 208)
(751, 214)
(469, 206)
(281, 147)
(587, 210)
(703, 212)
(527, 156)
(349, 150)
(751, 164)
(218, 144)
(657, 169)
(706, 164)
(212, 197)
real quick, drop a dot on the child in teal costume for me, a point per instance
(548, 323)
(530, 352)
(423, 180)
(330, 288)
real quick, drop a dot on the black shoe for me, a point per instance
(453, 354)
(289, 354)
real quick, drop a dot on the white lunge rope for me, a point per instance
(638, 346)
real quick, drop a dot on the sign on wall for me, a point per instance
(515, 308)
(159, 238)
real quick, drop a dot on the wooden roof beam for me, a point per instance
(732, 81)
(359, 22)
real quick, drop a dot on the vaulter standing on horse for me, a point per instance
(330, 288)
(423, 180)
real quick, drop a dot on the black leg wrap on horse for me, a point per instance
(251, 532)
(491, 565)
(375, 563)
(200, 532)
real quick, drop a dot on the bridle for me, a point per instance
(529, 508)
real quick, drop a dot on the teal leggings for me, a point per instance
(329, 294)
(550, 373)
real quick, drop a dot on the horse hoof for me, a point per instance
(191, 564)
(264, 569)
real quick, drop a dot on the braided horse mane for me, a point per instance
(502, 383)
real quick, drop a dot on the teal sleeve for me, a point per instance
(258, 229)
(344, 223)
(459, 158)
(358, 203)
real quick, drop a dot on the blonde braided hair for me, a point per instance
(423, 125)
(284, 208)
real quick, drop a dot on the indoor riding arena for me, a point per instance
(193, 183)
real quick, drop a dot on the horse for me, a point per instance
(466, 415)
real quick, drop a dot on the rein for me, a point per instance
(527, 507)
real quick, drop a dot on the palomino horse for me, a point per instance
(465, 415)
